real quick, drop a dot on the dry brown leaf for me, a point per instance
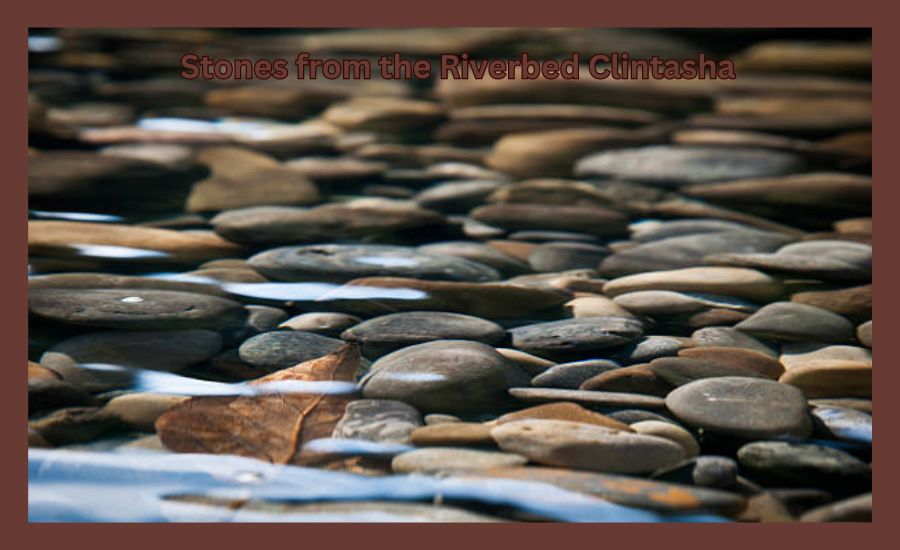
(268, 427)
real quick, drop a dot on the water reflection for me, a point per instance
(74, 216)
(116, 252)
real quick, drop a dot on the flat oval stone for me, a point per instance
(850, 191)
(282, 349)
(446, 459)
(586, 447)
(273, 225)
(571, 375)
(479, 253)
(666, 302)
(576, 336)
(639, 379)
(804, 463)
(742, 407)
(854, 303)
(751, 360)
(486, 300)
(342, 263)
(676, 165)
(798, 354)
(139, 411)
(135, 309)
(858, 508)
(814, 267)
(382, 335)
(727, 281)
(453, 434)
(592, 220)
(379, 420)
(789, 321)
(324, 323)
(831, 378)
(590, 398)
(452, 376)
(654, 230)
(169, 350)
(688, 251)
(562, 411)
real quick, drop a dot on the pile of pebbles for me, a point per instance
(656, 293)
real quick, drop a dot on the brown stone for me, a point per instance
(563, 411)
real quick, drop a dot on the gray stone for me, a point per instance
(450, 459)
(379, 420)
(728, 337)
(742, 407)
(451, 376)
(586, 447)
(382, 335)
(804, 464)
(342, 263)
(282, 349)
(790, 321)
(563, 256)
(571, 375)
(674, 165)
(575, 336)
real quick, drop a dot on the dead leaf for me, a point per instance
(270, 427)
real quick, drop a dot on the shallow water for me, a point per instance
(89, 487)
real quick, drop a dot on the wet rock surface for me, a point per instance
(519, 299)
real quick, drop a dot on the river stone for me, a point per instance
(666, 302)
(742, 407)
(798, 354)
(134, 309)
(479, 253)
(382, 335)
(804, 464)
(575, 336)
(854, 303)
(750, 360)
(457, 197)
(844, 191)
(341, 263)
(592, 220)
(324, 323)
(51, 394)
(275, 185)
(639, 379)
(670, 165)
(728, 337)
(844, 423)
(717, 472)
(107, 281)
(485, 300)
(669, 431)
(74, 425)
(798, 265)
(571, 375)
(569, 412)
(688, 251)
(563, 256)
(272, 351)
(443, 459)
(727, 281)
(649, 348)
(588, 398)
(452, 376)
(586, 447)
(383, 114)
(864, 333)
(155, 350)
(379, 420)
(124, 242)
(655, 230)
(139, 411)
(463, 434)
(831, 378)
(789, 321)
(273, 225)
(858, 508)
